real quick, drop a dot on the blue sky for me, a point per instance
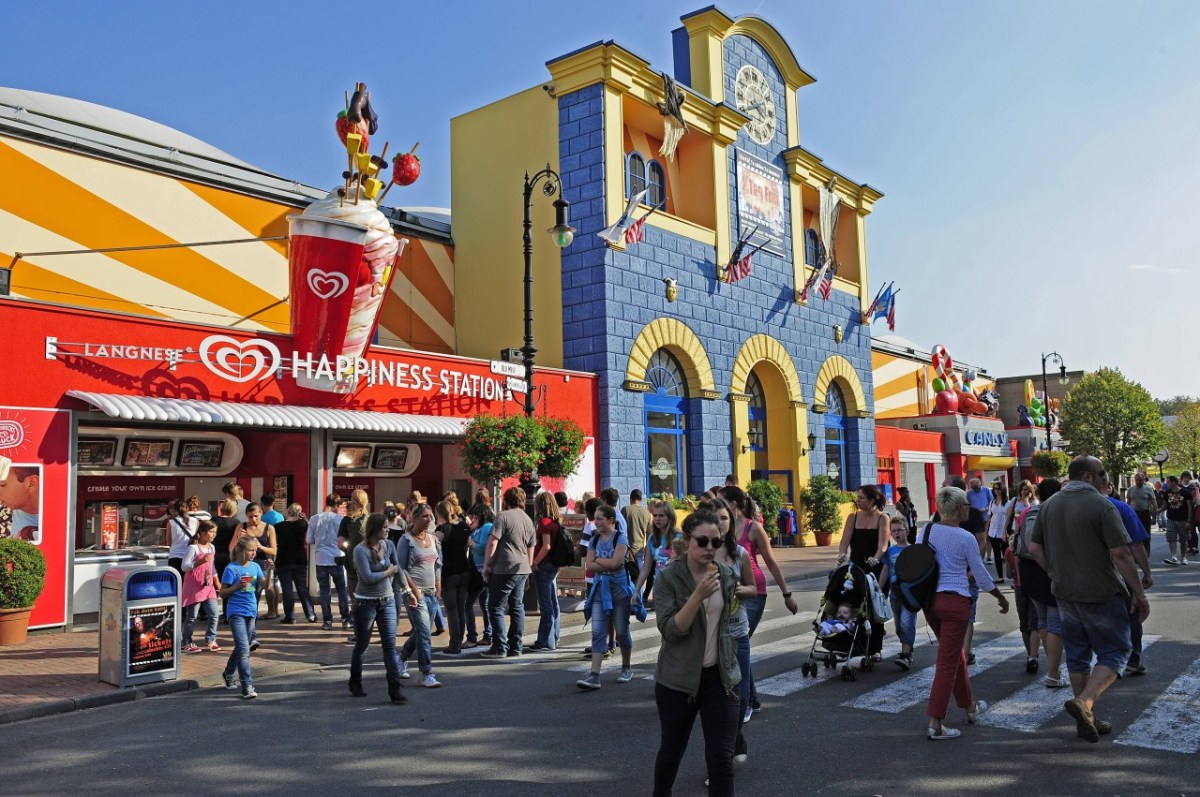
(1036, 157)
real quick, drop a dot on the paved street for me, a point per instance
(522, 727)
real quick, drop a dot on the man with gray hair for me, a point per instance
(979, 496)
(1079, 540)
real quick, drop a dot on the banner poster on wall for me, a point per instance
(760, 203)
(151, 638)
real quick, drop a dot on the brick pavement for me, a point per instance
(55, 672)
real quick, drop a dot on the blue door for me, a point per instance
(665, 421)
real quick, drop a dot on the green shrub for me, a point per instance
(769, 498)
(819, 502)
(22, 573)
(1050, 464)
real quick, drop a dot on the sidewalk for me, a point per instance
(55, 672)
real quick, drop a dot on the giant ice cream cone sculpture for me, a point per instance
(342, 252)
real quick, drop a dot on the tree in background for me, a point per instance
(1050, 464)
(1173, 406)
(1183, 437)
(1110, 417)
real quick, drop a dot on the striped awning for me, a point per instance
(148, 408)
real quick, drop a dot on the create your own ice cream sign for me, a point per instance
(257, 359)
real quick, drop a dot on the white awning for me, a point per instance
(147, 408)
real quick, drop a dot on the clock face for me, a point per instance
(753, 97)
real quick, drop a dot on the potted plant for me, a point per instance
(22, 576)
(1050, 464)
(494, 447)
(820, 503)
(769, 498)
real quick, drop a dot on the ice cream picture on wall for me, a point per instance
(342, 254)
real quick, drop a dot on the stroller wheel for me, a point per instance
(846, 673)
(854, 675)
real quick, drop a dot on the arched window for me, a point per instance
(656, 185)
(757, 412)
(812, 248)
(635, 174)
(665, 412)
(835, 436)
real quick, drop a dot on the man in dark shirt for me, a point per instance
(1178, 504)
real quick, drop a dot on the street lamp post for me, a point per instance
(563, 234)
(1062, 380)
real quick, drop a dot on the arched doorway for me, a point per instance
(769, 420)
(835, 436)
(665, 411)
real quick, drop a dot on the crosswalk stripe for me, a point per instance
(1034, 705)
(1172, 721)
(787, 644)
(792, 681)
(913, 689)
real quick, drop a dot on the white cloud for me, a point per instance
(1148, 267)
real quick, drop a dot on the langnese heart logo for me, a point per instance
(12, 434)
(239, 361)
(327, 284)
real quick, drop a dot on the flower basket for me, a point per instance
(495, 448)
(563, 447)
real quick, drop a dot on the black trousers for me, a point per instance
(999, 546)
(719, 721)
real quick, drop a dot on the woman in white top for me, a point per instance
(181, 528)
(997, 516)
(950, 614)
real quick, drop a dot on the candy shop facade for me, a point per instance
(138, 375)
(700, 375)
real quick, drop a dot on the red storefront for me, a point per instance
(911, 458)
(118, 415)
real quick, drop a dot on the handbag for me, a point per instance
(474, 582)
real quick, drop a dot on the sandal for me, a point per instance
(942, 732)
(980, 707)
(1056, 683)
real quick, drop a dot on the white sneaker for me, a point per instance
(1183, 561)
(625, 677)
(431, 682)
(748, 715)
(404, 673)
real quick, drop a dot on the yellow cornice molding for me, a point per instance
(602, 62)
(809, 169)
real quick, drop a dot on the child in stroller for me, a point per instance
(843, 626)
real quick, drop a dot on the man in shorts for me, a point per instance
(1079, 540)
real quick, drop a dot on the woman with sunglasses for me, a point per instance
(865, 540)
(697, 669)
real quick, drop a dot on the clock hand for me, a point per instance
(756, 106)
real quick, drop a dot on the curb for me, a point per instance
(51, 708)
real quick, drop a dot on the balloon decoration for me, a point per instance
(954, 392)
(1037, 410)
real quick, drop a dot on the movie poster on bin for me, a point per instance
(151, 638)
(34, 496)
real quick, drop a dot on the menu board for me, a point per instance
(92, 452)
(148, 453)
(200, 454)
(353, 458)
(388, 458)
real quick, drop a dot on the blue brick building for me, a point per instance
(700, 376)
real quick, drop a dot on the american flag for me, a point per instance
(739, 270)
(826, 286)
(636, 231)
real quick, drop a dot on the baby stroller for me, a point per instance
(847, 646)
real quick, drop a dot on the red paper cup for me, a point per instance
(326, 261)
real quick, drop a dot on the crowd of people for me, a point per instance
(1072, 551)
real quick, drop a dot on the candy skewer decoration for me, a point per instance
(406, 169)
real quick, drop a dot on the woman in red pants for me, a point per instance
(950, 614)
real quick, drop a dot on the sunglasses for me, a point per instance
(704, 542)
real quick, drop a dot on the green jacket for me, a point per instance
(681, 656)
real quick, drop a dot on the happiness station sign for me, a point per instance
(258, 359)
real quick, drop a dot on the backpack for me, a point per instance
(1025, 533)
(562, 549)
(916, 573)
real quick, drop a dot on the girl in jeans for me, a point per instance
(610, 596)
(375, 605)
(456, 572)
(200, 586)
(545, 572)
(697, 664)
(239, 585)
(420, 559)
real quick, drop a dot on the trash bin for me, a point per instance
(139, 625)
